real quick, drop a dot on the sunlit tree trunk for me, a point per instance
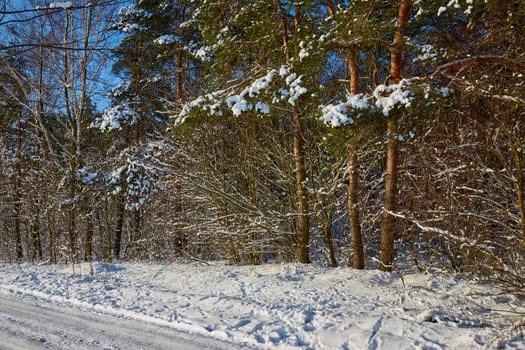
(357, 259)
(390, 200)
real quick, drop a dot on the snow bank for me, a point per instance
(283, 306)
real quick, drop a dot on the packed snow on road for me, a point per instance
(281, 306)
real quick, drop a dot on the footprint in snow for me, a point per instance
(241, 324)
(277, 335)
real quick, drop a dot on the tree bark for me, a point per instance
(387, 252)
(519, 183)
(88, 244)
(51, 229)
(17, 194)
(180, 91)
(105, 221)
(354, 221)
(137, 231)
(388, 223)
(303, 222)
(71, 227)
(302, 240)
(35, 236)
(121, 210)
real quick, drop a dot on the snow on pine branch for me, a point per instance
(447, 6)
(383, 100)
(87, 175)
(167, 39)
(113, 117)
(286, 87)
(209, 103)
(130, 17)
(426, 52)
(455, 4)
(390, 96)
(337, 114)
(136, 176)
(238, 103)
(199, 51)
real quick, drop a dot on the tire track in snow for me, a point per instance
(24, 325)
(12, 340)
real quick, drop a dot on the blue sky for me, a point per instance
(27, 15)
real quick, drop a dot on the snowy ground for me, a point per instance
(32, 325)
(280, 306)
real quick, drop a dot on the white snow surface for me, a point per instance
(284, 306)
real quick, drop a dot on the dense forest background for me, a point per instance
(363, 133)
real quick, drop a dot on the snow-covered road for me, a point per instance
(25, 325)
(136, 305)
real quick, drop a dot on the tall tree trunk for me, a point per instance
(519, 184)
(388, 222)
(302, 240)
(179, 241)
(17, 194)
(121, 210)
(68, 83)
(329, 242)
(72, 234)
(180, 238)
(35, 236)
(303, 222)
(136, 214)
(354, 221)
(88, 244)
(105, 222)
(326, 206)
(51, 229)
(180, 76)
(16, 227)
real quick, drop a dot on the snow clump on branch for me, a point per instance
(130, 14)
(240, 103)
(337, 115)
(112, 118)
(210, 103)
(426, 52)
(61, 5)
(389, 96)
(456, 5)
(135, 176)
(383, 100)
(167, 39)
